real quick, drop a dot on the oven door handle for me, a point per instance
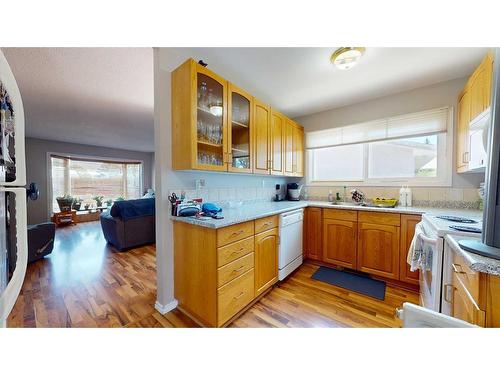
(429, 240)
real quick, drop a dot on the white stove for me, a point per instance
(442, 225)
(437, 272)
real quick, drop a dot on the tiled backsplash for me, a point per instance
(229, 194)
(422, 196)
(428, 197)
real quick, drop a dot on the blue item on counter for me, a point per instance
(188, 211)
(210, 208)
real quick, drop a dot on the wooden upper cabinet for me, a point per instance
(408, 223)
(474, 99)
(378, 249)
(276, 142)
(462, 150)
(217, 126)
(298, 151)
(288, 147)
(266, 259)
(480, 87)
(262, 161)
(313, 233)
(240, 130)
(199, 118)
(340, 242)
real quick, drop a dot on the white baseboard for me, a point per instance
(163, 309)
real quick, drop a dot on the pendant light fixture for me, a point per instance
(346, 57)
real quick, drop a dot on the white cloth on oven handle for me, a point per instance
(416, 257)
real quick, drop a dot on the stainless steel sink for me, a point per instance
(364, 204)
(350, 204)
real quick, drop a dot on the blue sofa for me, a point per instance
(129, 223)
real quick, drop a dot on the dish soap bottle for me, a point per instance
(330, 196)
(402, 196)
(409, 197)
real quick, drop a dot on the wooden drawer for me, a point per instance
(234, 269)
(228, 253)
(468, 277)
(266, 223)
(234, 296)
(234, 233)
(340, 214)
(379, 218)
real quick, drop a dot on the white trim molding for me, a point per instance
(163, 309)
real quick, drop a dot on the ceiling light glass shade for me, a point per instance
(346, 57)
(216, 110)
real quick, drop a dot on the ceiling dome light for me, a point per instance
(346, 57)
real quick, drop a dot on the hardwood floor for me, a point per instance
(86, 283)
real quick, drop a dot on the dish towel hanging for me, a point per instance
(416, 256)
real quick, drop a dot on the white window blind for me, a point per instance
(413, 124)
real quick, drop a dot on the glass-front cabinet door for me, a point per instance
(211, 120)
(239, 130)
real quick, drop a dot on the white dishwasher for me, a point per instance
(290, 247)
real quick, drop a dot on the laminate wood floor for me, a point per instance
(86, 283)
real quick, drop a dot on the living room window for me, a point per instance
(85, 178)
(410, 149)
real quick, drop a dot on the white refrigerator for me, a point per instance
(13, 229)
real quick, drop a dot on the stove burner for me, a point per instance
(463, 228)
(457, 219)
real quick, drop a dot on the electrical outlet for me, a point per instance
(199, 183)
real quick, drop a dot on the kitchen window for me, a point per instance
(86, 178)
(410, 149)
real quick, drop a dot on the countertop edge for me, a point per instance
(247, 216)
(476, 262)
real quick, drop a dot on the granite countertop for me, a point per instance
(254, 211)
(475, 262)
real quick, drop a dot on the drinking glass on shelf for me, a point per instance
(203, 96)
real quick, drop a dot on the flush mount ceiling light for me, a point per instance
(346, 57)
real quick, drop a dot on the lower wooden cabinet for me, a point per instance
(463, 305)
(220, 272)
(408, 223)
(266, 259)
(378, 249)
(340, 242)
(313, 233)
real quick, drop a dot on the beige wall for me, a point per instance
(438, 95)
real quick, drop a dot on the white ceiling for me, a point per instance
(300, 81)
(104, 96)
(96, 96)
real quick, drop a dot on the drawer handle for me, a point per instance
(446, 286)
(238, 251)
(240, 268)
(239, 296)
(268, 223)
(457, 268)
(238, 232)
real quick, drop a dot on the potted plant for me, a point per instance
(119, 199)
(109, 202)
(77, 203)
(65, 202)
(98, 200)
